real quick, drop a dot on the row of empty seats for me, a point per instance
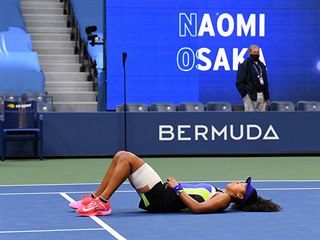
(44, 103)
(216, 106)
(290, 106)
(20, 66)
(169, 107)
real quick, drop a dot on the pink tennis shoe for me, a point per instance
(84, 201)
(95, 208)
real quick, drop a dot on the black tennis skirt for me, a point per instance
(162, 199)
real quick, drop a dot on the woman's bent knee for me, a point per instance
(120, 153)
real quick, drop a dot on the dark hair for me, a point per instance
(256, 203)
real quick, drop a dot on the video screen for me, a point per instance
(189, 51)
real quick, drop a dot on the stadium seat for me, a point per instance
(21, 122)
(136, 107)
(191, 107)
(219, 106)
(15, 40)
(1, 103)
(19, 81)
(44, 107)
(11, 15)
(20, 61)
(163, 107)
(283, 106)
(308, 106)
(5, 96)
(20, 67)
(44, 102)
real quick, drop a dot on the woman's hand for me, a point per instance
(171, 182)
(218, 202)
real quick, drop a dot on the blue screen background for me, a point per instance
(148, 31)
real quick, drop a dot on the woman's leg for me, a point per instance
(87, 199)
(108, 174)
(123, 164)
(126, 164)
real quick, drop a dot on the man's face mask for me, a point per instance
(254, 57)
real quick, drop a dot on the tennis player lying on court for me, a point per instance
(170, 196)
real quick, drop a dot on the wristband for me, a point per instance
(178, 189)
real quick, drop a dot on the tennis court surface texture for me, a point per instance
(34, 198)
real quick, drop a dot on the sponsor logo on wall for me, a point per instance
(249, 132)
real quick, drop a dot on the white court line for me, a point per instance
(98, 220)
(53, 230)
(54, 193)
(75, 184)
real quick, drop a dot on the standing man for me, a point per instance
(252, 82)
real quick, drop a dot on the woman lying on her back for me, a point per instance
(157, 196)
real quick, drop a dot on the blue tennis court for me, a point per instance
(42, 212)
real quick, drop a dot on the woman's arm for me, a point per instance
(217, 203)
